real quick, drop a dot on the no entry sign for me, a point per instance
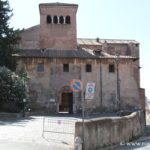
(76, 85)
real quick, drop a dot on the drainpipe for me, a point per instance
(118, 82)
(101, 90)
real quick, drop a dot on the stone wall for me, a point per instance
(30, 38)
(47, 85)
(103, 132)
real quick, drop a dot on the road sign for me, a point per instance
(76, 85)
(90, 89)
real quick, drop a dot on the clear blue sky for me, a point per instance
(109, 19)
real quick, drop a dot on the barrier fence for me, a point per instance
(59, 130)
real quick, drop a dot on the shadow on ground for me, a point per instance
(16, 121)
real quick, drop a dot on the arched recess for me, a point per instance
(55, 19)
(66, 100)
(49, 19)
(61, 20)
(68, 20)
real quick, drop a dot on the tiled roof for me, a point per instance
(88, 42)
(98, 41)
(49, 53)
(53, 53)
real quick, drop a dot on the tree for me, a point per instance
(13, 91)
(9, 37)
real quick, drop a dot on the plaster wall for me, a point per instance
(49, 84)
(102, 132)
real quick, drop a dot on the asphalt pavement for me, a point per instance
(27, 134)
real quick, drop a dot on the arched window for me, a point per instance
(61, 20)
(49, 19)
(55, 19)
(68, 20)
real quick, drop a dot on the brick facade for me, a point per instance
(43, 44)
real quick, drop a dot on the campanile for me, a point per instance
(58, 26)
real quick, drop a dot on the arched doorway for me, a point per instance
(66, 101)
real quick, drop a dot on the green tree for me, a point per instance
(13, 91)
(9, 37)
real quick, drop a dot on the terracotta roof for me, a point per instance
(51, 53)
(98, 41)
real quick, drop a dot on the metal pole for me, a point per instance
(83, 116)
(101, 90)
(43, 126)
(118, 82)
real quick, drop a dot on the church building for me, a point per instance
(53, 56)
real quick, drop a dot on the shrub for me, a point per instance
(12, 91)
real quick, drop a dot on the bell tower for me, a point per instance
(58, 26)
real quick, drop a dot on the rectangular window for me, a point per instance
(65, 67)
(111, 68)
(88, 68)
(40, 67)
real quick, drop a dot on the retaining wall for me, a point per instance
(103, 132)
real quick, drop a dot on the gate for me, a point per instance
(59, 130)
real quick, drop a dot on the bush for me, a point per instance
(12, 91)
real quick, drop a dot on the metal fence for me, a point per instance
(59, 130)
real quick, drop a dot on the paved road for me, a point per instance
(27, 146)
(26, 134)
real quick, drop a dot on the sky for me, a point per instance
(106, 19)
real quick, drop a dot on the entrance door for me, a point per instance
(66, 103)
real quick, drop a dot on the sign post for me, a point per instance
(83, 116)
(76, 86)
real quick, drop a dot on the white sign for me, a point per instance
(52, 100)
(90, 89)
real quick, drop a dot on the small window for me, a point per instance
(40, 67)
(68, 20)
(49, 19)
(65, 67)
(111, 68)
(137, 45)
(88, 68)
(61, 20)
(128, 51)
(55, 19)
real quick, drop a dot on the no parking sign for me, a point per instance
(76, 85)
(90, 89)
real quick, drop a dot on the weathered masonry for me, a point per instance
(53, 55)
